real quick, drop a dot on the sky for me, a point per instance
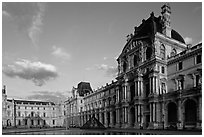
(47, 48)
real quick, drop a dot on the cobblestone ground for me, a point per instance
(75, 131)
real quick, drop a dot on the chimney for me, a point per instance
(166, 21)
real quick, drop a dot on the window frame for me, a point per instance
(180, 63)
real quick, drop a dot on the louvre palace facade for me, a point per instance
(22, 113)
(158, 85)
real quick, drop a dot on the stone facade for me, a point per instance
(28, 113)
(75, 105)
(158, 84)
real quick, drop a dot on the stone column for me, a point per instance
(111, 118)
(100, 117)
(142, 88)
(136, 113)
(138, 110)
(125, 92)
(150, 106)
(105, 119)
(156, 86)
(142, 116)
(153, 85)
(150, 85)
(153, 112)
(139, 87)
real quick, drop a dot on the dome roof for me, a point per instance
(175, 35)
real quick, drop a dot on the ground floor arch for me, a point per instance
(190, 112)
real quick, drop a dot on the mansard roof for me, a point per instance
(30, 101)
(175, 35)
(154, 24)
(149, 28)
(84, 87)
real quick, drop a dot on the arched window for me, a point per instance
(162, 52)
(148, 53)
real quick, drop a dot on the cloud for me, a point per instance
(35, 29)
(27, 16)
(37, 72)
(6, 14)
(188, 40)
(110, 71)
(49, 96)
(196, 9)
(105, 58)
(60, 53)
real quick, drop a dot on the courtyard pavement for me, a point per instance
(75, 131)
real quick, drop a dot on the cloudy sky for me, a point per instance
(50, 47)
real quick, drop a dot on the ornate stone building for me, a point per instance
(23, 113)
(75, 104)
(156, 72)
(158, 84)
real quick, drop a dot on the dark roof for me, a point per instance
(84, 87)
(30, 101)
(175, 35)
(154, 24)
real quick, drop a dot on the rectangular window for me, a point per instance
(163, 70)
(198, 59)
(32, 122)
(31, 107)
(180, 66)
(38, 108)
(197, 80)
(44, 114)
(25, 107)
(53, 122)
(19, 113)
